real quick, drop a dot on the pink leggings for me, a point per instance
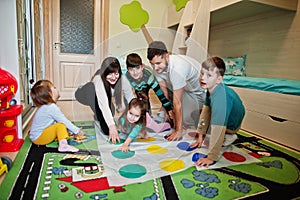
(56, 131)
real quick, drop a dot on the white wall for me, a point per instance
(9, 44)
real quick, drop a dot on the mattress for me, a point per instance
(284, 86)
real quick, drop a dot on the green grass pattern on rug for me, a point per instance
(282, 149)
(12, 174)
(141, 190)
(273, 145)
(244, 133)
(193, 184)
(275, 169)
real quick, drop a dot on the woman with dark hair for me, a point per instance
(109, 83)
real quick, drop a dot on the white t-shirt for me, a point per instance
(183, 72)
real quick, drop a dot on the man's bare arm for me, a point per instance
(177, 109)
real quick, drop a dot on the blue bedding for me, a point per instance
(283, 86)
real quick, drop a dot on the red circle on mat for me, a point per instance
(192, 134)
(234, 157)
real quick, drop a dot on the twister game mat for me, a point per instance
(156, 157)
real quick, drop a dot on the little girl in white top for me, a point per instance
(49, 123)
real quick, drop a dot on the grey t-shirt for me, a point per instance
(183, 72)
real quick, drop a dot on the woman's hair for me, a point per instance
(140, 101)
(41, 93)
(133, 60)
(215, 62)
(111, 65)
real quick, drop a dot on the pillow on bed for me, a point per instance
(235, 65)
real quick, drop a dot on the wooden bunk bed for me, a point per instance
(270, 114)
(272, 107)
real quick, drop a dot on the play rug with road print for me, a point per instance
(41, 172)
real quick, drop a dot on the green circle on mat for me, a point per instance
(122, 155)
(132, 171)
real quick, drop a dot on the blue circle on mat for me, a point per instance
(197, 156)
(185, 146)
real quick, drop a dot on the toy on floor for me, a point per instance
(9, 110)
(5, 164)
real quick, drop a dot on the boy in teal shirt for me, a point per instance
(222, 112)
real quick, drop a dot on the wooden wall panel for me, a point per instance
(271, 42)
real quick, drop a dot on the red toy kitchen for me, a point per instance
(9, 111)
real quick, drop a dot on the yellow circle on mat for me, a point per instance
(171, 165)
(150, 139)
(156, 149)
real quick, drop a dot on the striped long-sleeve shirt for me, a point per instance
(147, 82)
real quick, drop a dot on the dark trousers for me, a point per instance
(99, 116)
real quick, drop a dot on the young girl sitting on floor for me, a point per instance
(132, 122)
(49, 123)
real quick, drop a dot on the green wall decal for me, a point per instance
(180, 4)
(133, 15)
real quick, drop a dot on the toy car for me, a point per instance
(5, 164)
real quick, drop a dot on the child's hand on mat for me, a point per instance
(204, 162)
(198, 143)
(113, 134)
(124, 148)
(176, 135)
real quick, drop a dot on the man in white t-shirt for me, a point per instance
(178, 77)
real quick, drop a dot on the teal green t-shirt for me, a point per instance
(133, 133)
(227, 108)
